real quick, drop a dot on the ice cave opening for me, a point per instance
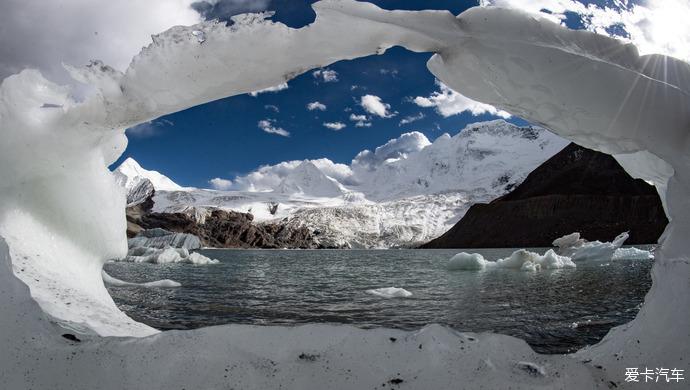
(61, 214)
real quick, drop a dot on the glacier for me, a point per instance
(404, 193)
(58, 227)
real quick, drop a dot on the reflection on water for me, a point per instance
(553, 310)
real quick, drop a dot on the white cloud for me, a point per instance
(335, 125)
(272, 107)
(447, 102)
(392, 72)
(362, 120)
(267, 125)
(654, 26)
(393, 149)
(45, 34)
(316, 106)
(373, 105)
(325, 75)
(220, 184)
(268, 177)
(275, 88)
(412, 118)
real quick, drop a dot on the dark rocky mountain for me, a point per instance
(220, 228)
(576, 190)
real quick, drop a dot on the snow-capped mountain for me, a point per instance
(406, 191)
(307, 179)
(129, 174)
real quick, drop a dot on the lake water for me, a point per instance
(555, 311)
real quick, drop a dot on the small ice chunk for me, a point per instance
(466, 261)
(169, 255)
(200, 35)
(197, 258)
(390, 292)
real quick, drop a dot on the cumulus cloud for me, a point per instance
(374, 106)
(272, 107)
(447, 102)
(393, 149)
(325, 75)
(316, 106)
(335, 125)
(268, 177)
(361, 120)
(221, 184)
(654, 26)
(412, 118)
(268, 126)
(45, 34)
(275, 88)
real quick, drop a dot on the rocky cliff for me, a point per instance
(219, 228)
(577, 190)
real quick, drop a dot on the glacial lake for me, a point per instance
(555, 311)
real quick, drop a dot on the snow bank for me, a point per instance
(164, 283)
(390, 292)
(61, 211)
(520, 259)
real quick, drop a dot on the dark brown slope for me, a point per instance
(577, 190)
(221, 229)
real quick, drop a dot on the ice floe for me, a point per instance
(140, 254)
(112, 281)
(579, 249)
(521, 259)
(390, 292)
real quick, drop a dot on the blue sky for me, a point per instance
(224, 138)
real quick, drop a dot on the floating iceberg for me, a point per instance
(520, 259)
(140, 254)
(390, 292)
(579, 249)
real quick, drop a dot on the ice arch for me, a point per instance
(61, 213)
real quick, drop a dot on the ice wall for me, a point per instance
(61, 212)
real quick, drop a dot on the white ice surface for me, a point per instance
(520, 259)
(167, 255)
(61, 212)
(163, 283)
(390, 292)
(579, 249)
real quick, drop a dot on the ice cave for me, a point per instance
(591, 89)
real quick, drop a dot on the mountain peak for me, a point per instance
(308, 179)
(130, 173)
